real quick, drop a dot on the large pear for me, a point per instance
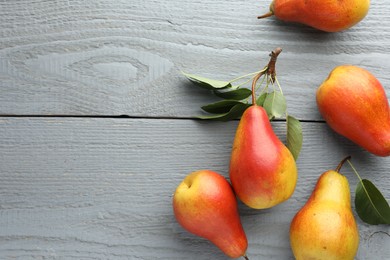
(325, 15)
(263, 171)
(325, 227)
(205, 205)
(354, 104)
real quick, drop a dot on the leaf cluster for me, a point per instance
(235, 100)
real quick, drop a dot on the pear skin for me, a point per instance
(263, 171)
(205, 205)
(325, 227)
(354, 104)
(325, 15)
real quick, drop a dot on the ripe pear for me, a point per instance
(325, 227)
(205, 205)
(328, 16)
(354, 104)
(263, 171)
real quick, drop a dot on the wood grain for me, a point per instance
(124, 57)
(79, 188)
(101, 188)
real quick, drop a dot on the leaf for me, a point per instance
(237, 94)
(275, 104)
(207, 83)
(370, 204)
(219, 107)
(294, 136)
(235, 112)
(260, 100)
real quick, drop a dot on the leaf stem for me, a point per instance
(281, 91)
(277, 83)
(239, 85)
(245, 257)
(356, 173)
(244, 76)
(342, 162)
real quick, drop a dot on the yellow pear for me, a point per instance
(325, 227)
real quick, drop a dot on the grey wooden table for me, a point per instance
(80, 181)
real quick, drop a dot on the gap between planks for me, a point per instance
(139, 117)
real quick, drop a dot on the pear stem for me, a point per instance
(255, 79)
(342, 162)
(272, 62)
(269, 70)
(245, 257)
(270, 13)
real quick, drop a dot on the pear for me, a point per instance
(328, 16)
(354, 104)
(263, 171)
(325, 227)
(205, 205)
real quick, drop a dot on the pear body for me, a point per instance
(325, 227)
(205, 205)
(263, 171)
(354, 104)
(325, 15)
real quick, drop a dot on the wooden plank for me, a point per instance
(124, 57)
(84, 188)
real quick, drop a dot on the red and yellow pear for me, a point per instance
(328, 16)
(204, 204)
(354, 104)
(325, 228)
(263, 171)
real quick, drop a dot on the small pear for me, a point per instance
(354, 104)
(263, 171)
(328, 16)
(205, 205)
(325, 227)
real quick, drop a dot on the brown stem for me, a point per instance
(269, 70)
(271, 64)
(342, 162)
(245, 257)
(255, 79)
(270, 13)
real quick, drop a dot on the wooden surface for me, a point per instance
(79, 182)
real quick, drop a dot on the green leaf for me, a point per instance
(294, 136)
(260, 100)
(370, 204)
(275, 104)
(237, 94)
(219, 107)
(235, 112)
(207, 83)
